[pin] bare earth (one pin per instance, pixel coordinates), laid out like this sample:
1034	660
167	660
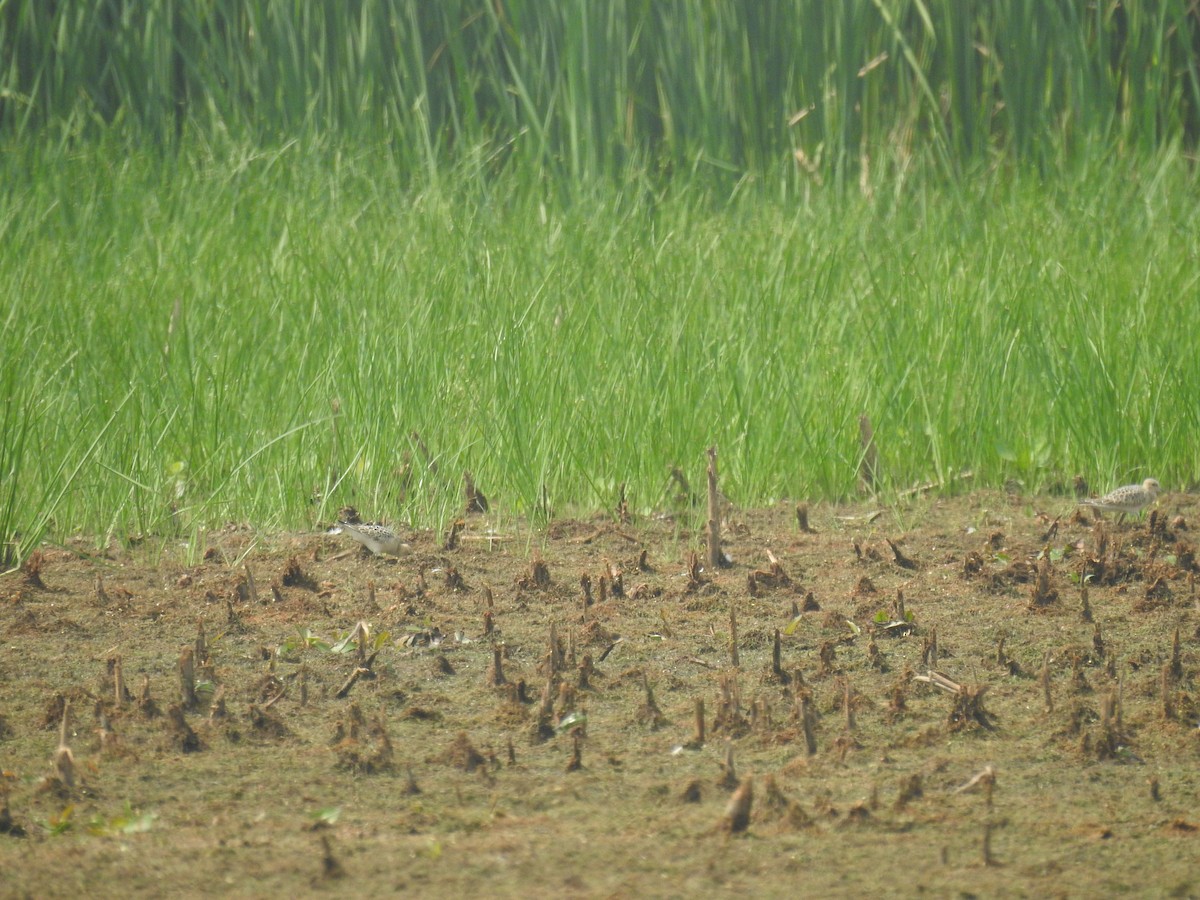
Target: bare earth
1058	756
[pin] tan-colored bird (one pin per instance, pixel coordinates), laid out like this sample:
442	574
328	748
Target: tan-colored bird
1127	499
376	538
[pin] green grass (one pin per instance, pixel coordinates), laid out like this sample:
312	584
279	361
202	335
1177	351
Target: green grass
255	336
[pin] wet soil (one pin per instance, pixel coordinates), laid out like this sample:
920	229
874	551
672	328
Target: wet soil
921	701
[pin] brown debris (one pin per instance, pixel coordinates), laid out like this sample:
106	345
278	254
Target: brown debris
898	698
1098	646
553	661
453	534
264	723
910	789
968	710
728	718
538	577
462	754
8	825
294	576
146	705
827	656
1108	742
1003	660
476	501
116	672
772	577
737	811
363	748
31	570
649	713
251	588
1042	593
575	763
586	670
622	509
331	869
874	657
496	672
454	581
216	710
777	670
728	779
182	735
361	670
1166	683
901	560
616	578
695	577
65	773
1158	594
972	565
802	519
187	678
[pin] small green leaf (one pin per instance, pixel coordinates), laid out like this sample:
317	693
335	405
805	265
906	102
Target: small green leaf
327	815
345	645
571	720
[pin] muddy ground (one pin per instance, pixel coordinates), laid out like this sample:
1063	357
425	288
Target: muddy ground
1054	754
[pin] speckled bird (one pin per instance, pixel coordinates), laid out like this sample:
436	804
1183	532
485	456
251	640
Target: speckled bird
1129	498
376	538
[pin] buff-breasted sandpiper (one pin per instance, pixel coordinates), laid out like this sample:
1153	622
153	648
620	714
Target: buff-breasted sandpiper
1127	499
376	538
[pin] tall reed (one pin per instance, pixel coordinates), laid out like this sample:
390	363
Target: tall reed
861	89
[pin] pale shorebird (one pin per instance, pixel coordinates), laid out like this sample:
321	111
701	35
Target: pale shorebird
1129	498
376	538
